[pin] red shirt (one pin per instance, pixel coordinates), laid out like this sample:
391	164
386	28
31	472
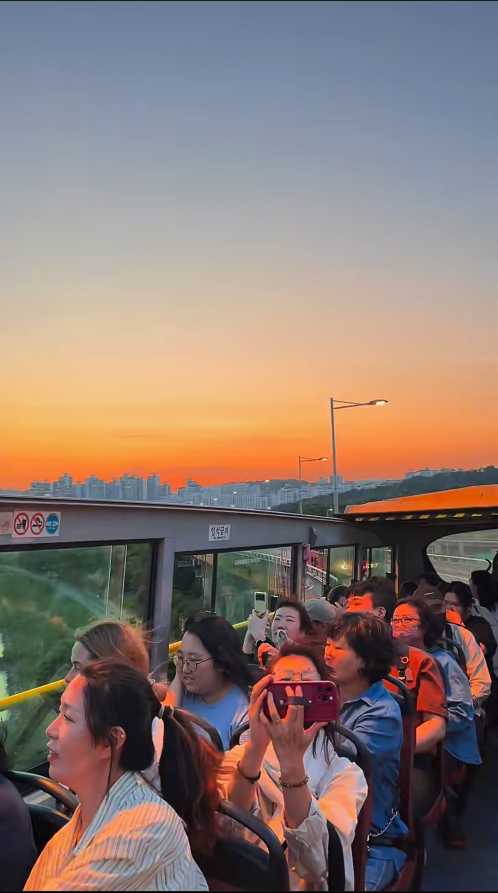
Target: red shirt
422	677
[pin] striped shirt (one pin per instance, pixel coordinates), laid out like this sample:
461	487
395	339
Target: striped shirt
135	841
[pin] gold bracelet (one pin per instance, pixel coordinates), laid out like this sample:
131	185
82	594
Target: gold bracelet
250	778
289	785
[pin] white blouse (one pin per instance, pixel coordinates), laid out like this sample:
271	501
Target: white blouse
135	841
338	791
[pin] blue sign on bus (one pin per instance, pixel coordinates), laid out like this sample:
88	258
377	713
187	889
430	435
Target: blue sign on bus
52	524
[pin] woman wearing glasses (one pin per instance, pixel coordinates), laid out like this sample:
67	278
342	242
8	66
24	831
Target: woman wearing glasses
417	626
212	677
292	778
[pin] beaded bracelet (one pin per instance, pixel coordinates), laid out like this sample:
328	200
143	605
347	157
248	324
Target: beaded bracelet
289	785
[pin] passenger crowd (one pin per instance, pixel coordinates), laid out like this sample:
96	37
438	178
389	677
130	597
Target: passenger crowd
151	764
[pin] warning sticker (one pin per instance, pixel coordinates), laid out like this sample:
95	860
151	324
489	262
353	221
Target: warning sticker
37	524
33	525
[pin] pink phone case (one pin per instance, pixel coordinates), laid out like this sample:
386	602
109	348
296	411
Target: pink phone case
321	700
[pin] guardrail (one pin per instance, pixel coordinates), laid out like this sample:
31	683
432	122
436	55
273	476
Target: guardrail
29	694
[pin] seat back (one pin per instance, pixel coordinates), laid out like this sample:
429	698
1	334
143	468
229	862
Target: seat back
237	865
199	723
438	807
237	734
406	701
362	758
30	781
46	822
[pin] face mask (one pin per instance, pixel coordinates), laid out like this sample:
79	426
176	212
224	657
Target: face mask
281	636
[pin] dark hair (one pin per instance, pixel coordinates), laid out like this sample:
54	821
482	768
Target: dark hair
305	623
337	592
312	649
370	638
223	644
381	591
432	624
116	694
487	589
430	577
463	592
407	588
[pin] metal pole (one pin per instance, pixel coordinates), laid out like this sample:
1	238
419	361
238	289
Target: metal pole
300	498
334	458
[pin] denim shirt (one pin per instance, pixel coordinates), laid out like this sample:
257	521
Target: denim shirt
461	735
375	717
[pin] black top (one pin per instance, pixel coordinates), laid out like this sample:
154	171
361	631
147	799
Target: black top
17	850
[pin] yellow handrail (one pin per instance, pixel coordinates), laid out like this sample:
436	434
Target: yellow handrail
31	693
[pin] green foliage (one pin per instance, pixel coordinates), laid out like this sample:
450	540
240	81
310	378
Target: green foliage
411	487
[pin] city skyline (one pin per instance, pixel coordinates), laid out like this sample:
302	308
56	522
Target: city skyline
66	479
217	215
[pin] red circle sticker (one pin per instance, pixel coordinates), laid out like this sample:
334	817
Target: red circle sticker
21	523
37	524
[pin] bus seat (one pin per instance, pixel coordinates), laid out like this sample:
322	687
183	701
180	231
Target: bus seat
46	822
360	755
29	781
206	727
410	876
237	865
406	702
237	734
438	808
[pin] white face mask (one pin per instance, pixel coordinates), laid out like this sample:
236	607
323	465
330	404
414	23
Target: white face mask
281	636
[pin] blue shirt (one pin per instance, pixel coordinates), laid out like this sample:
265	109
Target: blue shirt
461	735
225	715
375	718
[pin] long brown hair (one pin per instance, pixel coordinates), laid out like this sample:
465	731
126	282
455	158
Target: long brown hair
113	638
116	694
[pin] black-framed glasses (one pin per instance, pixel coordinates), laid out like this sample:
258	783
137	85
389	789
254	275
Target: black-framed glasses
189	662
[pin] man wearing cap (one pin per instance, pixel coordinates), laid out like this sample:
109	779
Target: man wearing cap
322	614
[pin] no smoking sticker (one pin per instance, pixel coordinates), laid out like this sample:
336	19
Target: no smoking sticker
34	525
37	524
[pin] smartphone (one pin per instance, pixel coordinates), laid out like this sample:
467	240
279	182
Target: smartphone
321	700
261	602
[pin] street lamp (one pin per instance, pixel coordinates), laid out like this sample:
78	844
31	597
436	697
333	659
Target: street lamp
305	459
344	404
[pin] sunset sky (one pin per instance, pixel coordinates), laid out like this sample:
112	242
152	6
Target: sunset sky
215	216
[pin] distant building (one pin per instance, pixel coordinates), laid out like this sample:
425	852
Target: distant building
40	488
63	487
153	488
95	488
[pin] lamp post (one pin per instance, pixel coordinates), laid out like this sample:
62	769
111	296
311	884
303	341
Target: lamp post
301	460
334	406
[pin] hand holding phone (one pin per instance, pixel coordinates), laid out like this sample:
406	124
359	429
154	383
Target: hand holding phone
319	699
260	603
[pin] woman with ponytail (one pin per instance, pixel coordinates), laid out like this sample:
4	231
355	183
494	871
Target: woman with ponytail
124	835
